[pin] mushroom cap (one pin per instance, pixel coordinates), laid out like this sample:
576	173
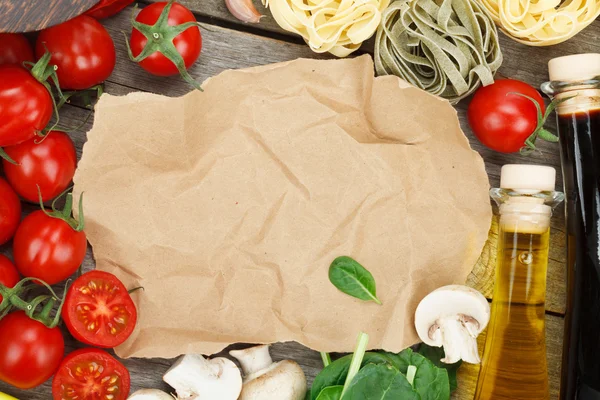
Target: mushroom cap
447	302
194	377
150	394
284	380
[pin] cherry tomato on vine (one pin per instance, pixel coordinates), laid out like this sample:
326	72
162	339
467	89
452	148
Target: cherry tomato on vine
98	310
91	374
49	247
173	45
48	163
25	105
82	50
9	276
30	352
14	49
503	120
106	8
10	211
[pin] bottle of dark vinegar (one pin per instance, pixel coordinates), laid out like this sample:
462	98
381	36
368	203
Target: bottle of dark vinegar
576	81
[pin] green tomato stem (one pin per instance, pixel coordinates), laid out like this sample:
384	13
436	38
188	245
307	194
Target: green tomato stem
160	38
7	157
357	359
65	213
11	299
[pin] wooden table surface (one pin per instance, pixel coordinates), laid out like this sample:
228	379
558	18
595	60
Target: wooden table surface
231	44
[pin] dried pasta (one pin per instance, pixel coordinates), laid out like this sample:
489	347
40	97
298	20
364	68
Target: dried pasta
446	47
335	26
542	22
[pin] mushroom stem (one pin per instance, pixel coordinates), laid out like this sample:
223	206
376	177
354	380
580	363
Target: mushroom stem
254	359
456	335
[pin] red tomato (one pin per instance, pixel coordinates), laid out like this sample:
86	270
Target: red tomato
30	352
9	276
188	43
82	49
98	310
49	163
106	8
14	49
10	212
25	105
48	248
88	374
502	120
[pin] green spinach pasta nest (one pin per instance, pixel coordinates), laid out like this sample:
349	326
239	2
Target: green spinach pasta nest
446	47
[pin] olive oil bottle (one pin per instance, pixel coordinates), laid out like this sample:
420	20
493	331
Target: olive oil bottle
514	356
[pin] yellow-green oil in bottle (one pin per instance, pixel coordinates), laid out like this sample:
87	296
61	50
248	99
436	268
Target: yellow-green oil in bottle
514	358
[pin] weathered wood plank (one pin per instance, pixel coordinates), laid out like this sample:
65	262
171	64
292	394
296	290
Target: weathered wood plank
30	15
226	48
147	373
216	11
240	50
520	61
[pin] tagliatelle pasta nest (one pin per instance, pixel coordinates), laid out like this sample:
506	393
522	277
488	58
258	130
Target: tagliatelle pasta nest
542	22
335	26
446	47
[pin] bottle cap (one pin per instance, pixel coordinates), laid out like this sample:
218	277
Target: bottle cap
527	179
577	67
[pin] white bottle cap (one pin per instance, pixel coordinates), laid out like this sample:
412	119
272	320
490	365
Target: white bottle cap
578	67
527	179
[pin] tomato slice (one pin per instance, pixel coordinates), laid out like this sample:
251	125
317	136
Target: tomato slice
91	374
98	310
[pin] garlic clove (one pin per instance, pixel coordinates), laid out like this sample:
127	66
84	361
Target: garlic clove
243	10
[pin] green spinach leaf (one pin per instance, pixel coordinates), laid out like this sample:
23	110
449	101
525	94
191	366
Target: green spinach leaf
335	373
353	279
380	382
430	382
435	355
331	393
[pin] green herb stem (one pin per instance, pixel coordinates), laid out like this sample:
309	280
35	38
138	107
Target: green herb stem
410	374
326	359
357	359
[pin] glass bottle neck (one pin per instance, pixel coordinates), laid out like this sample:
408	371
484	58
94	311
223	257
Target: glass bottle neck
575	96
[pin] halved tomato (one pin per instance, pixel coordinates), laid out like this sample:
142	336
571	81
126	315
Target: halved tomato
98	310
91	374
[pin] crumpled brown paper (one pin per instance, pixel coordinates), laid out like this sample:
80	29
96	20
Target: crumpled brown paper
228	206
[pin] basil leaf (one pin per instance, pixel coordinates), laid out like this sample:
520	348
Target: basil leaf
380	382
435	355
431	382
331	393
335	373
353	279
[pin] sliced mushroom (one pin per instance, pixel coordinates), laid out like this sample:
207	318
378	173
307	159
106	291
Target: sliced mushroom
453	316
194	377
150	394
266	380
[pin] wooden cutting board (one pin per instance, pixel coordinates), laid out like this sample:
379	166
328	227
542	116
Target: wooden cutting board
33	15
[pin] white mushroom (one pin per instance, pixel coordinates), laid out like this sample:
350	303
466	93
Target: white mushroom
266	380
453	316
150	394
194	377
